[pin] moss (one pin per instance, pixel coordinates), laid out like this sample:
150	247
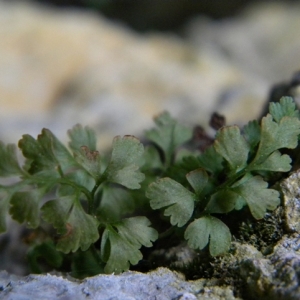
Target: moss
263	234
252	237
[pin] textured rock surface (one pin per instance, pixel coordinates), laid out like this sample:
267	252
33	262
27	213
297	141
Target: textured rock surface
276	276
160	284
291	201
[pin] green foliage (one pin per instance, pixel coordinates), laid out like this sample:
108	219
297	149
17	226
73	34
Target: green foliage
46	251
76	227
206	228
124	164
231	177
9	163
168	135
286	108
166	192
78	181
121	243
100	206
234	152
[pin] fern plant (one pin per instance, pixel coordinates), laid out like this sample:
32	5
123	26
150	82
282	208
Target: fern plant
228	176
100	206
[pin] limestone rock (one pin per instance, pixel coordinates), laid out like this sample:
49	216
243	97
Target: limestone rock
291	201
159	284
276	276
262	277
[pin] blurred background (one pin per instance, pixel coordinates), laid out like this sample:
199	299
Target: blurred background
114	64
145	15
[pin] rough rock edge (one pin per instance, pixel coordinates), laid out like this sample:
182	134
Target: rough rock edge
275	276
159	284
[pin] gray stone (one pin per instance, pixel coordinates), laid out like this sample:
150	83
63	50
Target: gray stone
291	201
276	276
161	284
